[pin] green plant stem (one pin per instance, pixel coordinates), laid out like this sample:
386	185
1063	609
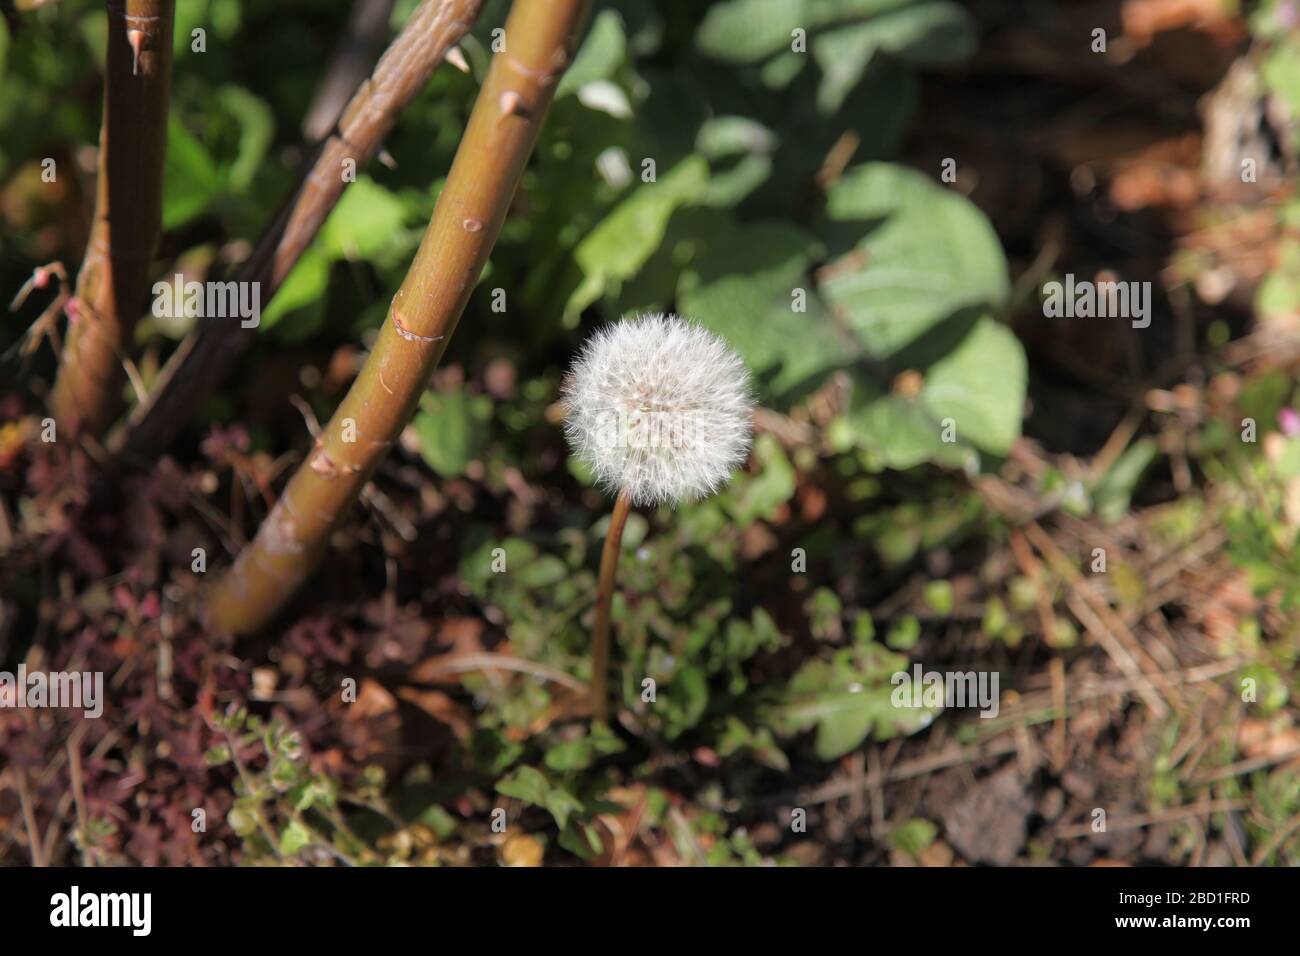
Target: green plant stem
604	602
540	40
208	354
113	284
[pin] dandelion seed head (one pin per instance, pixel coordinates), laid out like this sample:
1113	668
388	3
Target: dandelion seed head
659	408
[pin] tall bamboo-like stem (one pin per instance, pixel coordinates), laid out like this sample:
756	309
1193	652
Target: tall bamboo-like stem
604	602
113	284
210	353
540	39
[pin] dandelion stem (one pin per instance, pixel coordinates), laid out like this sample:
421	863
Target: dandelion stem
604	599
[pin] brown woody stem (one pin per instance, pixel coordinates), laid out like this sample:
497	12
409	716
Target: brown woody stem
210	353
113	284
604	602
540	39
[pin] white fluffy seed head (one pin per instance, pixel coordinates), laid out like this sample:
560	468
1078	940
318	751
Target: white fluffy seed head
660	408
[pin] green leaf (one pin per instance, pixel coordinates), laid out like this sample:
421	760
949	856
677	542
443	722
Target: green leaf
545	572
745	284
625	239
845	699
974	377
527	784
939	596
531	786
687	699
452	428
602	53
368	220
924	253
759	496
740	151
581	839
256	130
922	33
913	836
293	838
582	752
242	821
191	180
217	755
188	16
745	31
1115	490
980	385
303	289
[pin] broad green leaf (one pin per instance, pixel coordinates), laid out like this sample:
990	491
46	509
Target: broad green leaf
303	288
981	386
746	31
452	428
527	784
758	496
621	243
581	752
925	253
531	786
846	699
922	33
747	283
971	397
367	220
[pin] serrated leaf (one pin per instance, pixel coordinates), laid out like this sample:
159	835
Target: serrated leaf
846	699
